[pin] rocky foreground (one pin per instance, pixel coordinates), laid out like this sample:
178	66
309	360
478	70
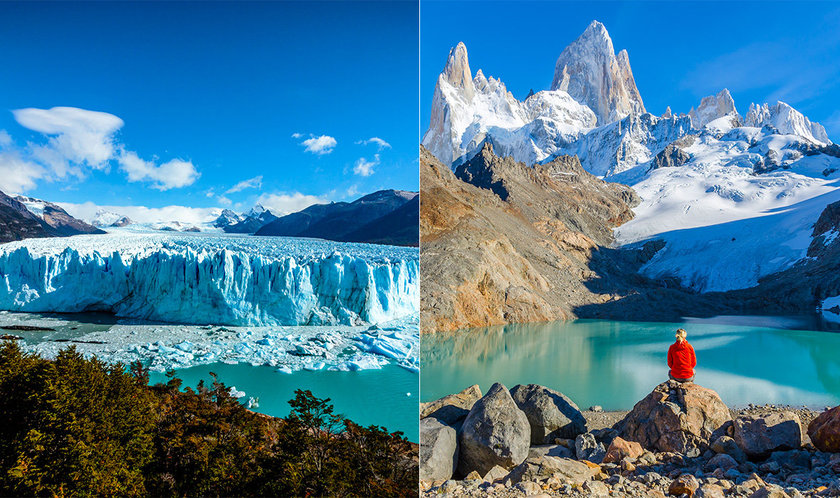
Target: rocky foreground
680	440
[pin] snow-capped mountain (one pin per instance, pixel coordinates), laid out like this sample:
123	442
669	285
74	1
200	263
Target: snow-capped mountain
710	178
226	219
590	71
56	217
104	219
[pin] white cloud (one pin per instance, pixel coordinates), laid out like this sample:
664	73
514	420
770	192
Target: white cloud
255	182
5	138
281	204
296	135
77	137
171	174
351	191
143	214
380	144
17	175
322	144
364	167
76	142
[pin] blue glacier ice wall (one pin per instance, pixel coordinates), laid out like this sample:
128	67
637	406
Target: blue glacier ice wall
177	283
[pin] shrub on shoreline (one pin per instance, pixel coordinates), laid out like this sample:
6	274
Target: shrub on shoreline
76	426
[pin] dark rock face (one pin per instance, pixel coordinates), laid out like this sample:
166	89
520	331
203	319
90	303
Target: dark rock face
56	217
675	417
824	430
550	413
251	224
374	218
495	432
452	408
760	435
438	450
673	155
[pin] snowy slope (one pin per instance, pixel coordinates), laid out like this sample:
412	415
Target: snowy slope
210	279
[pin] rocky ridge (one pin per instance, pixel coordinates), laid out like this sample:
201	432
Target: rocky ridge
504	242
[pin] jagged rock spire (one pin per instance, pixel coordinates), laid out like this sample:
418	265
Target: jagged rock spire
590	71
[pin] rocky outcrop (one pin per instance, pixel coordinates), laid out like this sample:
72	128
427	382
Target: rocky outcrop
591	72
760	435
673	155
551	414
452	408
635	470
495	432
57	218
824	430
438	450
712	108
786	120
515	246
676	417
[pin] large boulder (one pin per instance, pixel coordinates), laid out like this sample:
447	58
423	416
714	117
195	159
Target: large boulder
675	417
824	430
620	449
550	413
760	435
588	448
450	409
438	450
495	432
542	467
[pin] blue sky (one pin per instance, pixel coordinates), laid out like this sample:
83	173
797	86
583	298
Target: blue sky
207	104
679	51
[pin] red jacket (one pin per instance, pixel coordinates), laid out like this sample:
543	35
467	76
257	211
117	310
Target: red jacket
681	360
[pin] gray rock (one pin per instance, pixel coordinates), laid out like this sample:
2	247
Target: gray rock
596	489
570	471
550	413
588	448
495	474
760	435
709	491
495	432
555	450
438	450
727	445
452	408
721	461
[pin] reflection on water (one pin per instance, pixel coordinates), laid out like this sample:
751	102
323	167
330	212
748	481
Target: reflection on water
615	364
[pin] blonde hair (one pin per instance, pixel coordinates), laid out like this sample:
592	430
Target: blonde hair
681	333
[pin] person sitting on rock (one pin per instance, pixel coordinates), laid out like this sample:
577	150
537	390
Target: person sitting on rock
681	359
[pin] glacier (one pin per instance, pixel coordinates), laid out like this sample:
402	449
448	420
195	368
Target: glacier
211	279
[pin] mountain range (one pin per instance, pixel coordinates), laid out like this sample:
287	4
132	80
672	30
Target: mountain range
383	217
25	217
727	200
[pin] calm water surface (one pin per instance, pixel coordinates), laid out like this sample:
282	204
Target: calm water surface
615	364
367	397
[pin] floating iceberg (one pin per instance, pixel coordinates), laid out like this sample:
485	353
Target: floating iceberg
198	279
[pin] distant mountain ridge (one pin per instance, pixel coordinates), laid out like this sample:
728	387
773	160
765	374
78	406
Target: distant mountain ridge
26	217
374	218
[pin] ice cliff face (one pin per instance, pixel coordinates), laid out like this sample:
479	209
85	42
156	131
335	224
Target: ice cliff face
219	280
590	71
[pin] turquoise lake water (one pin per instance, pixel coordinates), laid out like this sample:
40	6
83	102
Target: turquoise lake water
367	397
616	364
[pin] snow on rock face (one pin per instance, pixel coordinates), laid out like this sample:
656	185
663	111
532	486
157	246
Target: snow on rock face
589	70
466	112
712	108
220	280
787	120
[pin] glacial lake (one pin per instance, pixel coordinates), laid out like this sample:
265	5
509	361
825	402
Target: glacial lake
367	397
615	364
